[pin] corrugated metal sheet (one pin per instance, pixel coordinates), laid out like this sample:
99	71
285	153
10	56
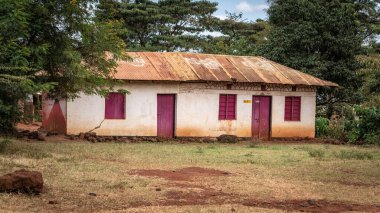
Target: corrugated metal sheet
159	66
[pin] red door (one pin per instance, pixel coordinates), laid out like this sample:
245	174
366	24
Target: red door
261	117
165	115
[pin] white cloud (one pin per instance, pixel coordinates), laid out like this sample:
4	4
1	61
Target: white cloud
246	7
260	7
213	34
221	17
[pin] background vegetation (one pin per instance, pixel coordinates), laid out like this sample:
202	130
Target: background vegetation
59	46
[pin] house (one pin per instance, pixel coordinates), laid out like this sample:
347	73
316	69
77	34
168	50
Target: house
196	95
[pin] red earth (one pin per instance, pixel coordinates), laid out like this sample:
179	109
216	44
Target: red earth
191	193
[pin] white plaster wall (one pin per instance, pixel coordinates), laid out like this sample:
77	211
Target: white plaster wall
87	112
305	127
196	112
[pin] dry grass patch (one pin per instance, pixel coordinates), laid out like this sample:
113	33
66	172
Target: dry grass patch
259	172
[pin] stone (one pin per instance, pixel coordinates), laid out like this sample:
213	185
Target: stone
92	139
33	135
227	139
71	137
92	194
52	133
41	136
23	181
311	202
81	135
209	140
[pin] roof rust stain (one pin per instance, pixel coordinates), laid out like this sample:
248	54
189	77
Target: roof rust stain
160	66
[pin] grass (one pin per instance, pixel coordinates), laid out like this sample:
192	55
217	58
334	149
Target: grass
316	153
71	170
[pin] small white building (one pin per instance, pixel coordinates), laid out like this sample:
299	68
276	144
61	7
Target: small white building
196	95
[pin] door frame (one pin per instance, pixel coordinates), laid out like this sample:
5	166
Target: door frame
270	115
174	111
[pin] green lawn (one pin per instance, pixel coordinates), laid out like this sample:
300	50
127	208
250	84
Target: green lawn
265	173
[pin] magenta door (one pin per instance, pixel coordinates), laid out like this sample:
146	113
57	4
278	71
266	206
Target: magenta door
165	115
261	117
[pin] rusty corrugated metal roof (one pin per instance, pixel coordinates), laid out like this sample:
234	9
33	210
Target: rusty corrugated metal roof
177	66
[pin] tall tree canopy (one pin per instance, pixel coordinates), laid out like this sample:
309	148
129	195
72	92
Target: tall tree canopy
237	36
55	46
164	25
322	37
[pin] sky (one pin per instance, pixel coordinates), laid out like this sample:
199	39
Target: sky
251	9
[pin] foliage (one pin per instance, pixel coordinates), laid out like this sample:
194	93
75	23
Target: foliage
359	129
371	74
322	38
165	25
238	37
54	46
321	126
366	127
182	25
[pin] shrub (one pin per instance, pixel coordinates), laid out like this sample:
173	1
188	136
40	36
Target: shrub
363	128
337	130
321	126
366	127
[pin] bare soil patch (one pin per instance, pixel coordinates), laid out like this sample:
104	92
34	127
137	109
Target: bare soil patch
209	196
185	174
312	206
187	194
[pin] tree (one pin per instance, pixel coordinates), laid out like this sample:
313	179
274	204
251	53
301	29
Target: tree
166	25
371	75
321	37
238	37
55	46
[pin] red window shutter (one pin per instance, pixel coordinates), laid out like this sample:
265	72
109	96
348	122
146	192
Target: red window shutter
288	108
296	108
227	107
231	110
115	106
292	108
222	106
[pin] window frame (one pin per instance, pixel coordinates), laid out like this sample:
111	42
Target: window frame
124	107
292	113
225	117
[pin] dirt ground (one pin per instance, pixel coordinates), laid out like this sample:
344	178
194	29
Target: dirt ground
171	177
193	194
